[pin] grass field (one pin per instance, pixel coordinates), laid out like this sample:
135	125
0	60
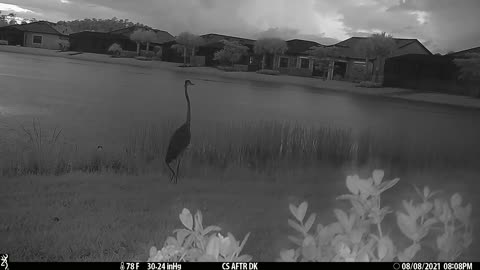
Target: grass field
103	217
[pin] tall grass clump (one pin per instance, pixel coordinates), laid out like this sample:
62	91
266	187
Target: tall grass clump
261	146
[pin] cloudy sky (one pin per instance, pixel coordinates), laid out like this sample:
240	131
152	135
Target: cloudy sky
442	25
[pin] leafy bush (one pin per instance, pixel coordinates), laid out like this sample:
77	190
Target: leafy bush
64	45
194	243
358	235
268	72
115	49
149	54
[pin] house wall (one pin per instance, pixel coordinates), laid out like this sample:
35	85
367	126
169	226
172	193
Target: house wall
49	41
358	71
294	64
412	48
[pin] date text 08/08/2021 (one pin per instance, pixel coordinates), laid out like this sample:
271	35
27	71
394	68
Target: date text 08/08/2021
433	266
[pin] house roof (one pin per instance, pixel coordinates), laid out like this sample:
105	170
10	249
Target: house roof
43	27
463	52
300	46
350	48
161	36
215	38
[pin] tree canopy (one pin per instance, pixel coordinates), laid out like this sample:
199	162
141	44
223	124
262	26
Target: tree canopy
270	45
323	52
99	25
469	66
232	52
378	44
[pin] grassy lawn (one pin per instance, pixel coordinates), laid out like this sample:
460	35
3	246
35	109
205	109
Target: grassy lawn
82	217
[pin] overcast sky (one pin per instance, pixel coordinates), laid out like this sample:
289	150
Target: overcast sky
442	25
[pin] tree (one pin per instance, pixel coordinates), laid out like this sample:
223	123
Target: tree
232	52
188	42
115	49
3	20
323	55
470	70
469	66
142	36
378	46
266	46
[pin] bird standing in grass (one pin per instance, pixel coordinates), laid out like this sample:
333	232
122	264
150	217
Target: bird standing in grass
179	140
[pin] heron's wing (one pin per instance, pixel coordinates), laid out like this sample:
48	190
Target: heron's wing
178	142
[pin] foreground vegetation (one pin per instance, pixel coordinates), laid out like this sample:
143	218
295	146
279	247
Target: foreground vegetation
357	235
105	217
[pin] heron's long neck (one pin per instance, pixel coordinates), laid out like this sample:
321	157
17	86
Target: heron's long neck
188	106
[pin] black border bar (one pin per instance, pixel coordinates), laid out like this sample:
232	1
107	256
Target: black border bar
240	266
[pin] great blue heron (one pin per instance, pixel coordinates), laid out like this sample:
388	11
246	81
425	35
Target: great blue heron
179	140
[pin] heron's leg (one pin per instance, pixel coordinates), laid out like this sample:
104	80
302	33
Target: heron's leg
178	167
173	172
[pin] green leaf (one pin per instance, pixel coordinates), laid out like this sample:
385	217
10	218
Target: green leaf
213	247
309	222
243	258
309	252
181	235
243	243
352	184
426	207
378	176
301	211
293	210
407	226
426	192
171	241
456	200
211	228
186	218
295	240
366	188
383	247
343	219
387	185
287	255
296	226
153	251
198	221
408	254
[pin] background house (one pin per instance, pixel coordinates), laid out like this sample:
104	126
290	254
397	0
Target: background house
296	60
99	42
41	34
160	35
350	62
435	73
213	43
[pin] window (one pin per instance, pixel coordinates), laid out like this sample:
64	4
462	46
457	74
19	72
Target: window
37	39
283	62
304	62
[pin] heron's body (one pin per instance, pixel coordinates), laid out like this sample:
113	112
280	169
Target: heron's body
179	140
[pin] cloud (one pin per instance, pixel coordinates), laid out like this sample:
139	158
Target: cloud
14	8
444	24
291	33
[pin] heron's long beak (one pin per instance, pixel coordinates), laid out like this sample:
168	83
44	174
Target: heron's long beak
192	83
